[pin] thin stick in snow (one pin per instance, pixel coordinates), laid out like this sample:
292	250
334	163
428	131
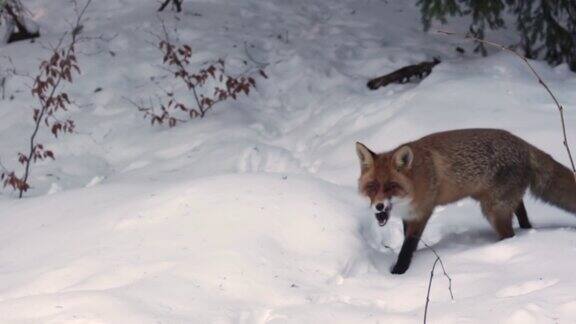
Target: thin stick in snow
438	259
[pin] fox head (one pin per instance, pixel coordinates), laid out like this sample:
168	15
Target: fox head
384	178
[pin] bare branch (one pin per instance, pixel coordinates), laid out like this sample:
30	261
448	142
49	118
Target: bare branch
438	260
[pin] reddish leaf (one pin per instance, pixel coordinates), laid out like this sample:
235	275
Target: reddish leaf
56	128
23	159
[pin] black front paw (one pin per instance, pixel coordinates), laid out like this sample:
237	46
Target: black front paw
399	268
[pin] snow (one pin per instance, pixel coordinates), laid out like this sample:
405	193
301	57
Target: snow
251	215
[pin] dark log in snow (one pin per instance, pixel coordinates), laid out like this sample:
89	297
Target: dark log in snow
403	75
23	32
177	4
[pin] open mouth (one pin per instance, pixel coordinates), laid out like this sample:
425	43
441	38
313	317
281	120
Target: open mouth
383	216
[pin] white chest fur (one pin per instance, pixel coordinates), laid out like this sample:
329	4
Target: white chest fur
402	208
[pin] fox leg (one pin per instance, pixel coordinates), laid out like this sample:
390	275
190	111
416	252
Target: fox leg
522	216
412	231
404	227
502	224
500	217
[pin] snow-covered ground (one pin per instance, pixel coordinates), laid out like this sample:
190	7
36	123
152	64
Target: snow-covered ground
251	214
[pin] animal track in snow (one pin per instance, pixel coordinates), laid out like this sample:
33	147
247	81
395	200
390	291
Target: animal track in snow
264	158
525	288
495	253
529	314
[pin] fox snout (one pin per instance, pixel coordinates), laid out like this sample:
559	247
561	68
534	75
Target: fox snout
382	212
382	205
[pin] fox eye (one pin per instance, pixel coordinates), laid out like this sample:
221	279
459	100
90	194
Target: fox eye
391	186
372	187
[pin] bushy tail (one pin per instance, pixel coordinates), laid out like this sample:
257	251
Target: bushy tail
551	181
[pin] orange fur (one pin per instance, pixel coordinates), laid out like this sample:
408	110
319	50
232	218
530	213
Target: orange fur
491	166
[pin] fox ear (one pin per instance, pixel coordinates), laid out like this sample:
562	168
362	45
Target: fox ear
403	158
365	155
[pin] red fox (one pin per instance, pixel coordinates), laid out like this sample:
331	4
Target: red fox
491	166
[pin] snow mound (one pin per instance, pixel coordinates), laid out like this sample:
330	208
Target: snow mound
251	215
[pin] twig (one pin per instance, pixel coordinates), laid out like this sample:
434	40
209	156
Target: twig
429	287
3	87
438	259
540	80
149	112
443	268
46	102
180	66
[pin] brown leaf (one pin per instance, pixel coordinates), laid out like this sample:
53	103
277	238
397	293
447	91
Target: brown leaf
56	128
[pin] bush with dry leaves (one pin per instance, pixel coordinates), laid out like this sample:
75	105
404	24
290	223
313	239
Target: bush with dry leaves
207	86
